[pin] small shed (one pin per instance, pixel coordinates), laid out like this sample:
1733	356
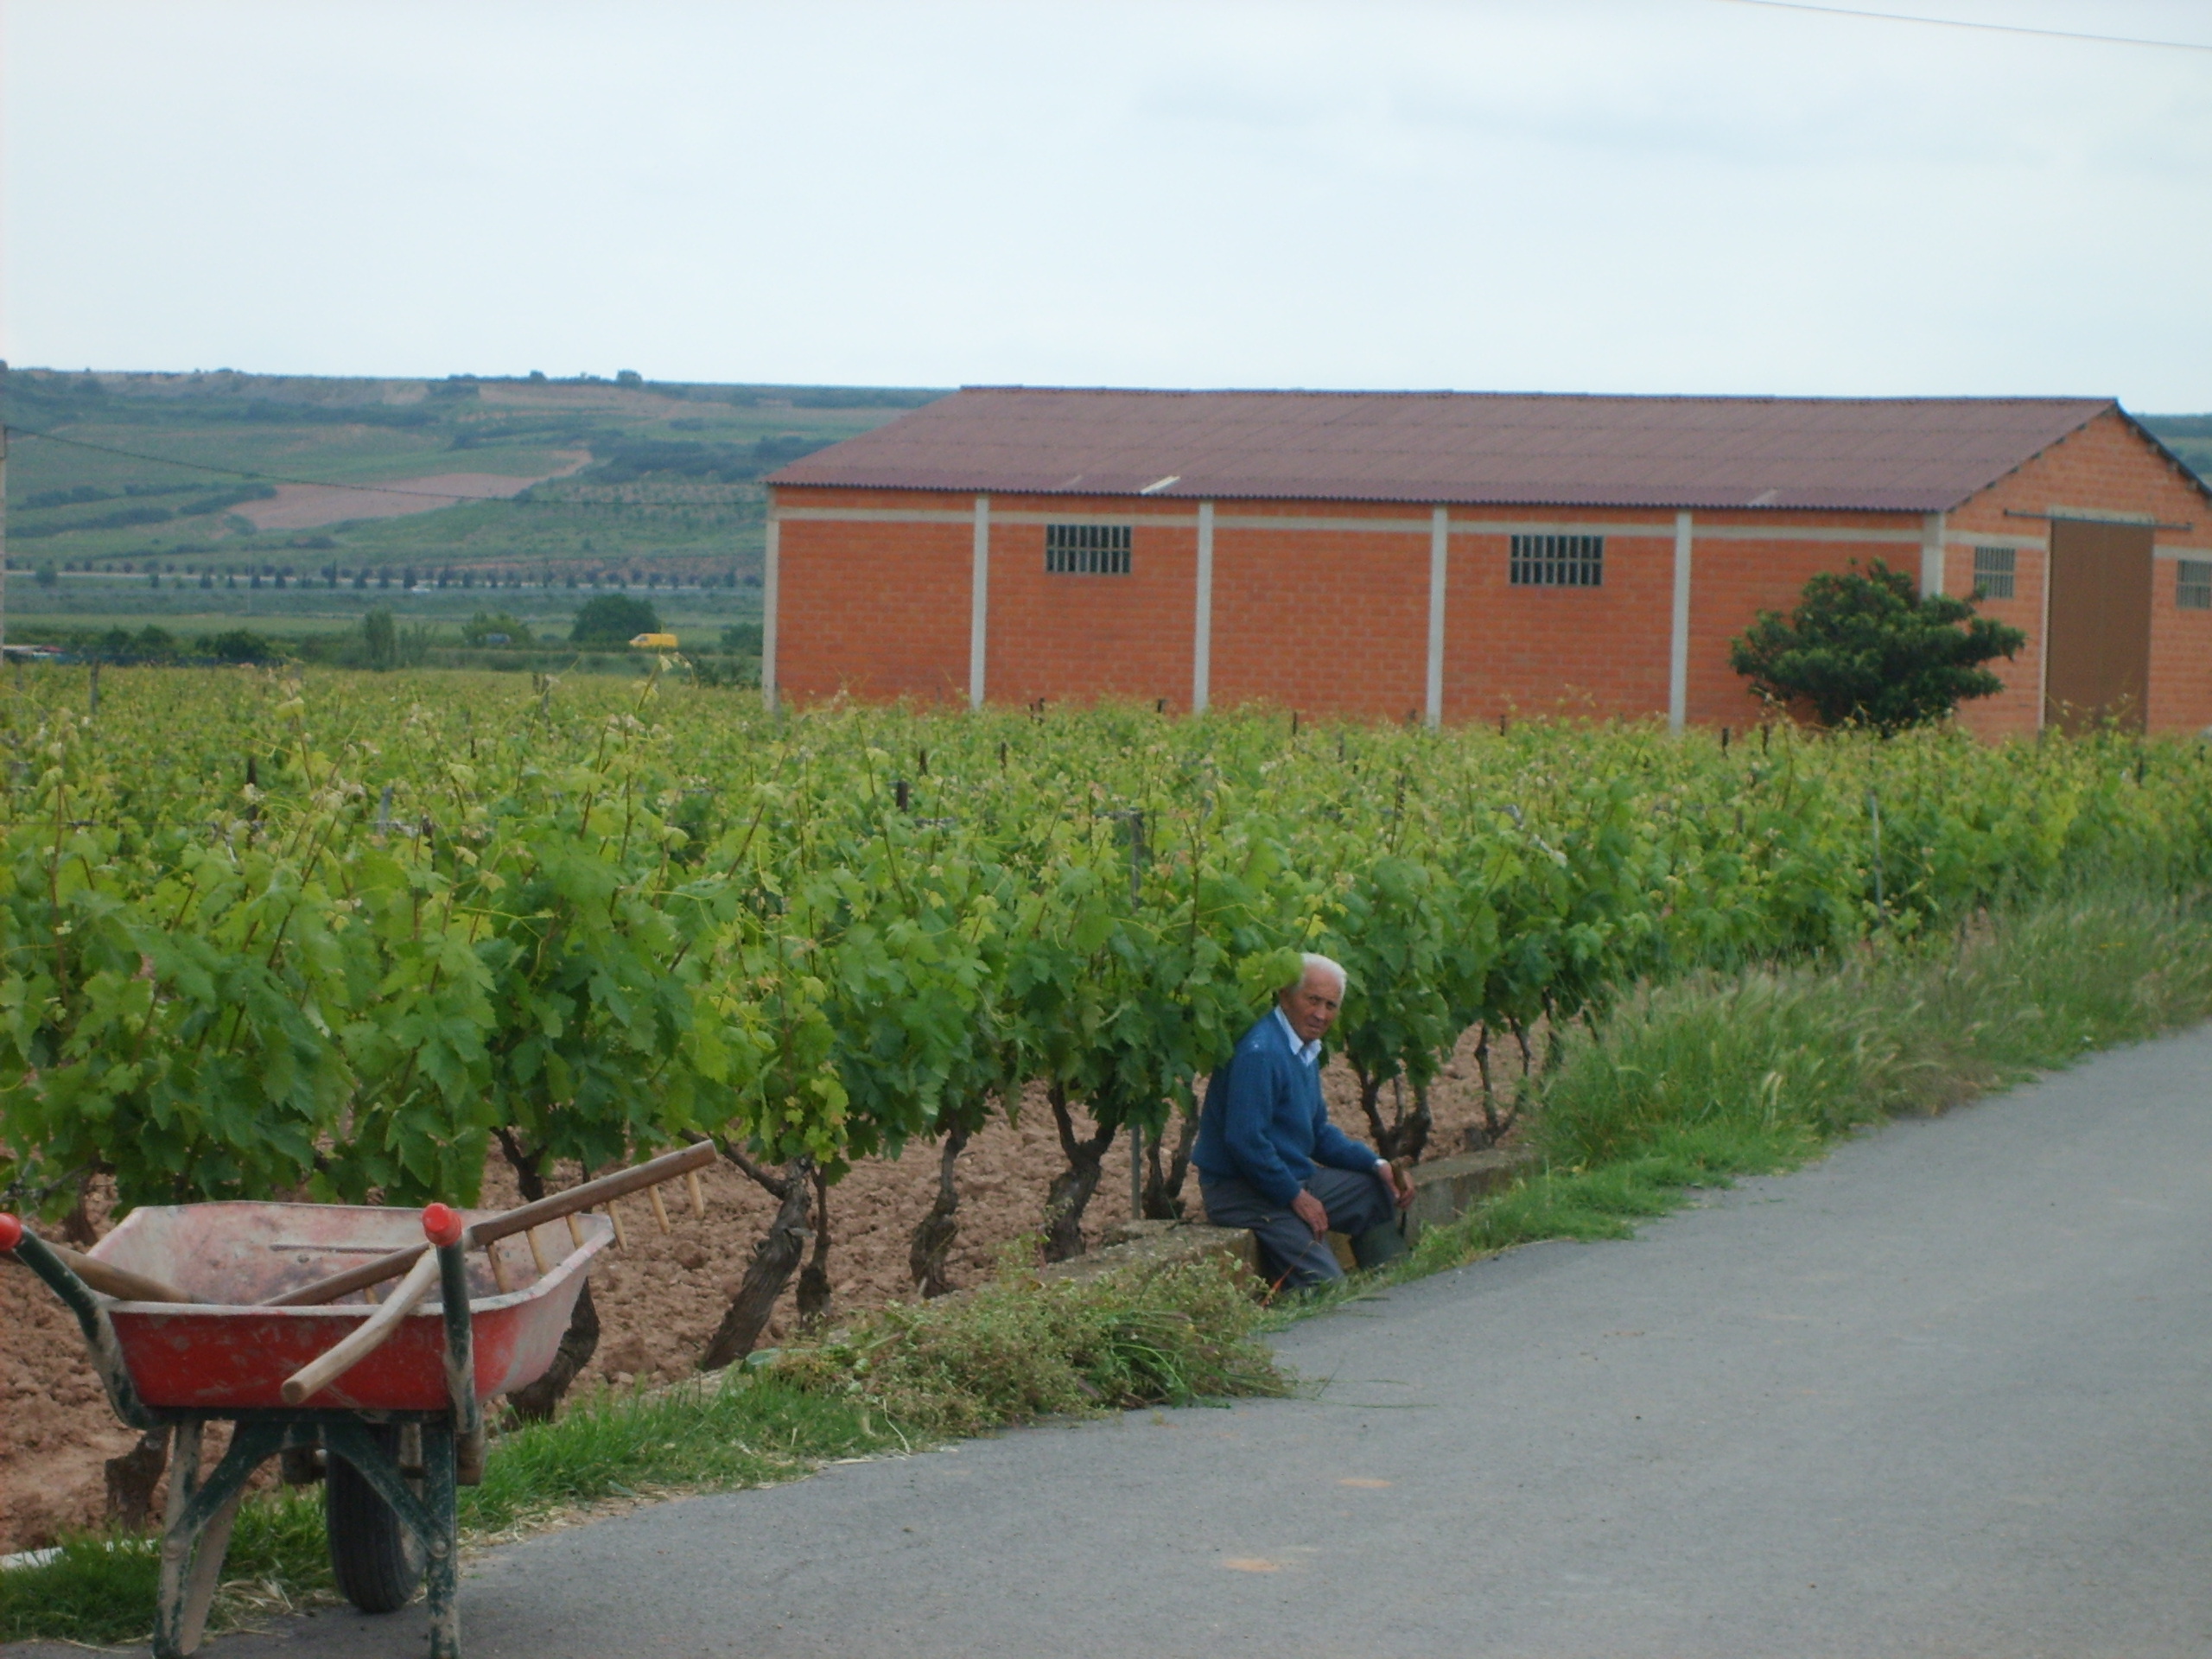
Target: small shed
1453	557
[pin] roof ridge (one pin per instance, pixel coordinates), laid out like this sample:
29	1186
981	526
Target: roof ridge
1577	397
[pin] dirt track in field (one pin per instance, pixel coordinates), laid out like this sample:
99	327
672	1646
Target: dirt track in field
304	506
658	1300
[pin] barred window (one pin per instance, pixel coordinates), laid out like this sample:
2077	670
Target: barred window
1558	561
2193	586
1087	550
1993	570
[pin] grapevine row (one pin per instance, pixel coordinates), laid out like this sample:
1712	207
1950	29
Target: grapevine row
344	937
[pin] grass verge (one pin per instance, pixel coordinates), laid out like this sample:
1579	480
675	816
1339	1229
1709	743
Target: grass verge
99	1589
1012	1351
1714	1077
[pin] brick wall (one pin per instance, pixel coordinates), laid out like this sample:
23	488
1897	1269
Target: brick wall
1332	617
1079	638
1530	651
2017	711
1327	621
2181	651
878	610
2106	467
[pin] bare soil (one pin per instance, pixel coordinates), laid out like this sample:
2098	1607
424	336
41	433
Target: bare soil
660	1298
303	506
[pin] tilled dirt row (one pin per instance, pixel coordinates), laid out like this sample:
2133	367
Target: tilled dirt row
658	1300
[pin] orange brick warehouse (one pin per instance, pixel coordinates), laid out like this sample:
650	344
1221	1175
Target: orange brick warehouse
1463	556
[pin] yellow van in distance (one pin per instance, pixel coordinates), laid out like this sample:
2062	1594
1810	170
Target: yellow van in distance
654	641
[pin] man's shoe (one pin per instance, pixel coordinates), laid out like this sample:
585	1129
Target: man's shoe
1379	1246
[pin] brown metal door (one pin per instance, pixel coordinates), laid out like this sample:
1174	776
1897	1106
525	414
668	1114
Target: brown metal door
2100	644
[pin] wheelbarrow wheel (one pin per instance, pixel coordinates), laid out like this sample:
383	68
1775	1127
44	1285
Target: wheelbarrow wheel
375	1559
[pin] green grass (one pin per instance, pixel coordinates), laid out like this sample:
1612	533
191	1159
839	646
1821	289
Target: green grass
1716	1076
101	1588
1015	1350
80	603
712	1434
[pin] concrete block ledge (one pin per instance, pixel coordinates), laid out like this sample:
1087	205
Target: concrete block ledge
1447	1188
1148	1246
1444	1190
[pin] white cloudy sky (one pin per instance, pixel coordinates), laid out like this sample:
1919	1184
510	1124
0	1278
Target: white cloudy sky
1626	195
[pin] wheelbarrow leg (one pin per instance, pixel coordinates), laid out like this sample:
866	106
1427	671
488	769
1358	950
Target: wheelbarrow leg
197	1529
453	1451
441	1568
430	1515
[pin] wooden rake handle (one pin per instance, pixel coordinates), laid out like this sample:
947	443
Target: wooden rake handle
119	1283
666	1167
374	1331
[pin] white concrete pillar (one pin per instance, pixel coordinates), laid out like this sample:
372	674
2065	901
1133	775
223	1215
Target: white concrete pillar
2043	636
1202	615
1678	646
1440	557
771	571
979	602
1931	554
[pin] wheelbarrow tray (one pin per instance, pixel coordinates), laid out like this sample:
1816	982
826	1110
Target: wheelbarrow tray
228	1355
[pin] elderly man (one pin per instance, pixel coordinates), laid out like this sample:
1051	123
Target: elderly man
1268	1158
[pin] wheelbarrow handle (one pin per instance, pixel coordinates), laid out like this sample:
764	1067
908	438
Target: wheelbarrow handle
49	1264
453	1243
109	1280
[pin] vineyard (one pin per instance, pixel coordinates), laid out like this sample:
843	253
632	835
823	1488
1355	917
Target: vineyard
352	938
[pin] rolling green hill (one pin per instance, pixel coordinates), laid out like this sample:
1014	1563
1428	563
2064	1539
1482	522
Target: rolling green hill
2189	436
216	471
195	499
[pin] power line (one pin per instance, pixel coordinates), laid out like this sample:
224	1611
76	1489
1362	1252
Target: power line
1963	22
240	471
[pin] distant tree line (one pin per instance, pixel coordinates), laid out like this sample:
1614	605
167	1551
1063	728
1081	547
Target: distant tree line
624	460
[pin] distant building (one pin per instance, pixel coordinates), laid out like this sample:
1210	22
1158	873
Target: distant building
1456	556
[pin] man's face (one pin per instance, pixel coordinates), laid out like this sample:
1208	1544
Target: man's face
1311	1005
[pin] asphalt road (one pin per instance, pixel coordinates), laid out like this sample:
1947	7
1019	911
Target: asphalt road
1943	1394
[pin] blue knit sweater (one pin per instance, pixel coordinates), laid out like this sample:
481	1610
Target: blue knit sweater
1264	1121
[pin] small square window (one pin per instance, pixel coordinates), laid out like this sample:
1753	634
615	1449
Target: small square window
1557	562
2193	585
1087	550
1993	569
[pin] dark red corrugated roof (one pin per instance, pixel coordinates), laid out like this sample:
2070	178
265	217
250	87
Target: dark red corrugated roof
1896	454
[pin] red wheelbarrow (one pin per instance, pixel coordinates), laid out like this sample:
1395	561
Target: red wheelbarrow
268	1316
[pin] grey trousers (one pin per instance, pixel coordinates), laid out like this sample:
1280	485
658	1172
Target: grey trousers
1356	1201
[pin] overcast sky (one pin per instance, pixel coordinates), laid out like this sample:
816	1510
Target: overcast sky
1602	195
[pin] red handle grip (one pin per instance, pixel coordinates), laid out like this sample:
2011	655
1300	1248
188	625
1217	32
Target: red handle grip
442	1224
11	1231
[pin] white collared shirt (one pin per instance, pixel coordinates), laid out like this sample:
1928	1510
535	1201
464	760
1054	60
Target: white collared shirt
1307	1053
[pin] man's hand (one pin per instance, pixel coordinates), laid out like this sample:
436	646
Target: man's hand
1401	1184
1307	1209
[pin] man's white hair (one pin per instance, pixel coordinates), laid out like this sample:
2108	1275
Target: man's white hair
1313	960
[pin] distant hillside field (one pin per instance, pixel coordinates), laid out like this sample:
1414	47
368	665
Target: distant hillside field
532	481
2189	436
